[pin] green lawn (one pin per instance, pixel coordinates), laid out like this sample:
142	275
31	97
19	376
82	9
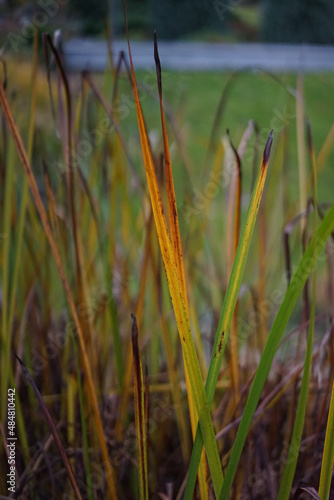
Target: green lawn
268	100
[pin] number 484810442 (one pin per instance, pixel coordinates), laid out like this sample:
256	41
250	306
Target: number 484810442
11	412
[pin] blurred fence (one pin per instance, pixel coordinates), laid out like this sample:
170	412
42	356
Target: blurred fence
83	54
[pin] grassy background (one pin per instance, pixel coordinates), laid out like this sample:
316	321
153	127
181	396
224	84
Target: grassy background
191	100
123	213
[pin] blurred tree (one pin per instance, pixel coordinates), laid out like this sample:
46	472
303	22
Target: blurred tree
175	18
93	14
298	21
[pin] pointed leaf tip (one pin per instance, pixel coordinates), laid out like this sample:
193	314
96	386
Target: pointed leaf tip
134	327
157	61
267	149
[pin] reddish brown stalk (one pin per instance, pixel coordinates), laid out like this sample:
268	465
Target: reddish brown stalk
147	406
237	197
172	208
141	423
69	145
121	58
53	429
123	406
44	219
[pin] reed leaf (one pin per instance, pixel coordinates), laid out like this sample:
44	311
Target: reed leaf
229	306
328	454
177	247
291	296
178	300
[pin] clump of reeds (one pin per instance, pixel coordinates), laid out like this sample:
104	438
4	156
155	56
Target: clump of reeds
87	242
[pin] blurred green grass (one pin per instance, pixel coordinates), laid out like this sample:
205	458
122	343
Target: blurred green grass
194	97
253	95
192	100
